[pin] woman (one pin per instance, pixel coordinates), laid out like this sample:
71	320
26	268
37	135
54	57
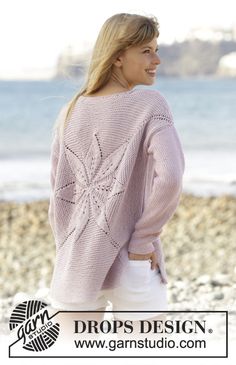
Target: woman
116	177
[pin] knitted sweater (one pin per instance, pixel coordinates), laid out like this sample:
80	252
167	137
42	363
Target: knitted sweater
116	179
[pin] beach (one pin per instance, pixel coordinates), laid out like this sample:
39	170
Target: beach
198	242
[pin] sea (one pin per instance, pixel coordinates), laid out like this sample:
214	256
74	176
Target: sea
204	111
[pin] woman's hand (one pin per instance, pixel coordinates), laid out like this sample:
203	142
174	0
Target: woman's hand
147	256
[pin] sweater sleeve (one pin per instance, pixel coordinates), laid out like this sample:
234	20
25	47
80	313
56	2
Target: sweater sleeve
55	149
54	157
164	144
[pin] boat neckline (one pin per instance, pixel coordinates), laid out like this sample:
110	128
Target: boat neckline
108	95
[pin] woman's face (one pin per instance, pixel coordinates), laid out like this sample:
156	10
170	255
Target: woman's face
135	62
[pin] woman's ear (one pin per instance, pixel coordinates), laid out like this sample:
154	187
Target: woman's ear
118	62
119	59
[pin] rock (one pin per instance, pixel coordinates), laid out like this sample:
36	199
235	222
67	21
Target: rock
220	280
21	297
218	296
203	279
179	284
42	293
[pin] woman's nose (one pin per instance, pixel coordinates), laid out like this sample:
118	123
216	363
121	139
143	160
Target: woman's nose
158	60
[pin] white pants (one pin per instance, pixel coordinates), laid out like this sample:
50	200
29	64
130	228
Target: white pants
141	289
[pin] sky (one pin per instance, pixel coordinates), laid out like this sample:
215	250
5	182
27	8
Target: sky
34	33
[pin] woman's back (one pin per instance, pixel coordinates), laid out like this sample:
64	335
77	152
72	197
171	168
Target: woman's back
117	180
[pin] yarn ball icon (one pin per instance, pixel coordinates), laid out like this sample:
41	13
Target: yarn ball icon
40	338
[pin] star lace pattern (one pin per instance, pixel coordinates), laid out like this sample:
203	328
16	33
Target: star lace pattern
94	183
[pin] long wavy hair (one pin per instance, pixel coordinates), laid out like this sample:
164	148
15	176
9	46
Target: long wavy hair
119	32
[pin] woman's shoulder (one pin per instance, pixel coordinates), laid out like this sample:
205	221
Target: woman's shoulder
154	101
153	95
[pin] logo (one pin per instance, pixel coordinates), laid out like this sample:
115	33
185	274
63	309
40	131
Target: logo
34	326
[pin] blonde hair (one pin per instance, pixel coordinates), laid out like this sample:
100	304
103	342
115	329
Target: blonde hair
119	32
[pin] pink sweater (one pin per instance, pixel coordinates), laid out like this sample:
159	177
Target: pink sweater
116	179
